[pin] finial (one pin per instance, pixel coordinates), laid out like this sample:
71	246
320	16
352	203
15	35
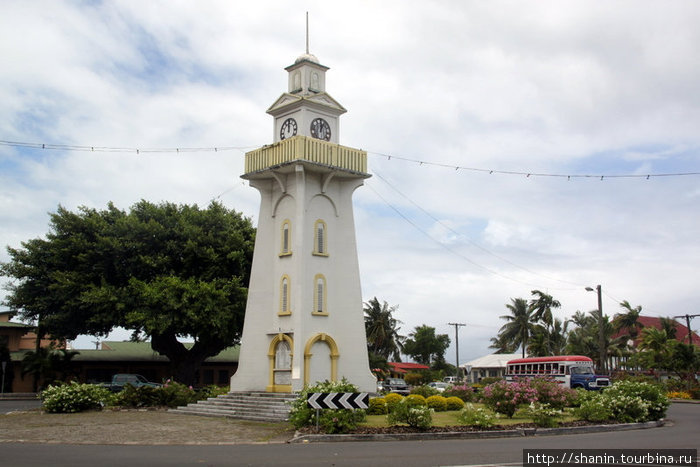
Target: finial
307	32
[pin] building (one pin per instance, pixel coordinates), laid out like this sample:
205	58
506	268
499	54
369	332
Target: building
655	322
18	339
99	365
399	369
489	366
304	316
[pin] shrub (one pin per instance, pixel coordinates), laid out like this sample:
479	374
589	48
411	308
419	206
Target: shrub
174	394
454	403
171	394
416	379
75	397
552	393
337	421
341	420
594	410
391	400
628	409
142	396
626	401
503	397
678	395
212	391
650	395
425	391
416	416
543	415
582	395
464	392
377	406
472	416
489	380
437	403
415	400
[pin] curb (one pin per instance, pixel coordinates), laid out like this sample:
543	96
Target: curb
300	438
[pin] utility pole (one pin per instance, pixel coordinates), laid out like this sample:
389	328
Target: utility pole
687	320
601	330
457	326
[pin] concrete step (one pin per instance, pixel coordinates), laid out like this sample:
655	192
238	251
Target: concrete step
259	406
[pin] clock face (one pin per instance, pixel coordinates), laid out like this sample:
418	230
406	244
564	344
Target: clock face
288	129
320	129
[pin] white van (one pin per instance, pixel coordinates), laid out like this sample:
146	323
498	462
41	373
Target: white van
450	379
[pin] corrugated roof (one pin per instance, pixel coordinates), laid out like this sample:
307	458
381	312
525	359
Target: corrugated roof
113	351
496	360
9	324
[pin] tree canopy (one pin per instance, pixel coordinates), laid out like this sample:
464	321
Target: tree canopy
425	346
168	271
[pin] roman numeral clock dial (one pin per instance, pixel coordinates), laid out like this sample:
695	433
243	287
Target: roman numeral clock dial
320	129
288	129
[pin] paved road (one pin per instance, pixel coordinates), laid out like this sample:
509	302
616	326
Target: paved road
683	432
7	406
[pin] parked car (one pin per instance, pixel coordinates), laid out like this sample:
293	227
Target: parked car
119	381
396	385
438	385
450	379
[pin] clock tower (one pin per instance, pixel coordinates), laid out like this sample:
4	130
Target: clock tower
306	109
304	318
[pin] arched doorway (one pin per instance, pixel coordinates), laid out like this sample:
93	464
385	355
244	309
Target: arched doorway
325	355
280	357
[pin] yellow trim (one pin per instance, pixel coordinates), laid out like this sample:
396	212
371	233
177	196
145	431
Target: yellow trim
335	355
324	305
272	387
285	310
286	223
316	251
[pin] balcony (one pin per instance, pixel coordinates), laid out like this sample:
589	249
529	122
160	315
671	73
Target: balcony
303	148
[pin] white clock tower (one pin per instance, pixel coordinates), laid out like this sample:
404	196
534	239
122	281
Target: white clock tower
304	317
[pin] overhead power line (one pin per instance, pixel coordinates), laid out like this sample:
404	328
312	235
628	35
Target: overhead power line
532	173
74	147
216	149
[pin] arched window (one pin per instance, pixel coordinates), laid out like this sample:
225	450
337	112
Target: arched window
285	300
286	238
320	238
320	293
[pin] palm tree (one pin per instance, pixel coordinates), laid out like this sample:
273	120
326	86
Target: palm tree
502	346
383	338
656	343
45	364
670	326
584	338
629	320
520	326
655	340
542	306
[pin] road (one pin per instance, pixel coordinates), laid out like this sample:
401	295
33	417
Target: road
682	432
10	405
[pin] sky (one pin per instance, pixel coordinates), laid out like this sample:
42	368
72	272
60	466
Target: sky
513	146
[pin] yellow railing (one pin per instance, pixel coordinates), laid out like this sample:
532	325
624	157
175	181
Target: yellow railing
307	149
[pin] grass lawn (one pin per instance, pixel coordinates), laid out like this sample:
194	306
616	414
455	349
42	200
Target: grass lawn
451	418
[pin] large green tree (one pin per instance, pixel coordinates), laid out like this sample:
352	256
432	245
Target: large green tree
425	346
171	272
